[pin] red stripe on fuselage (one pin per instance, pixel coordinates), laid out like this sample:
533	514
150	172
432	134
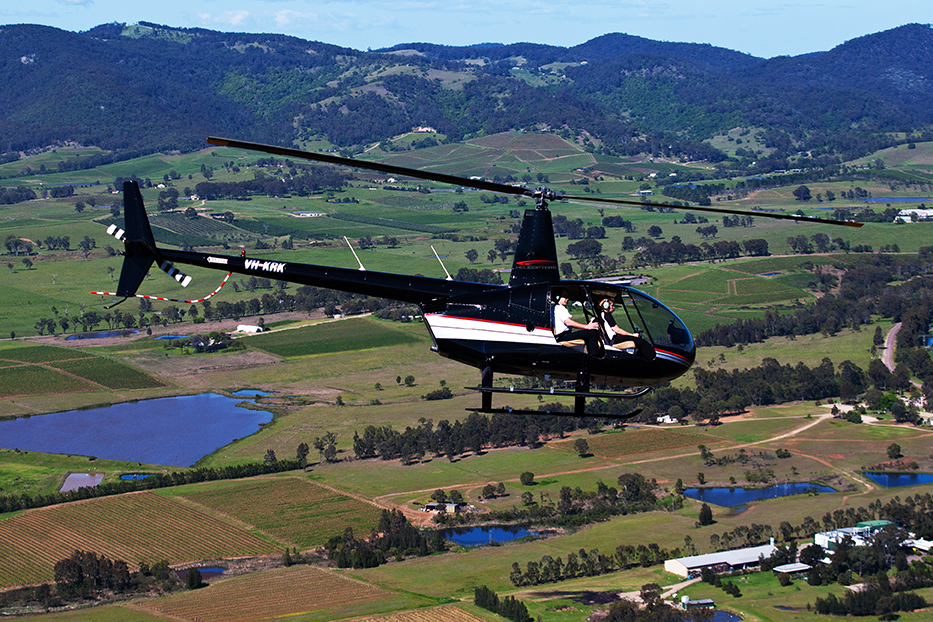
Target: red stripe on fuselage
474	319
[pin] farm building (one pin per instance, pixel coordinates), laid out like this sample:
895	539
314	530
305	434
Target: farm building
859	534
444	507
726	561
703	603
248	328
795	568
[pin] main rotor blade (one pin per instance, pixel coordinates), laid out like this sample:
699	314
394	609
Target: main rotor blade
479	184
719	210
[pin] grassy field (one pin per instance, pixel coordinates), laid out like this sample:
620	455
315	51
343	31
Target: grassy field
308	365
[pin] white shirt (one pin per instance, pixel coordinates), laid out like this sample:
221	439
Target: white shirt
561	314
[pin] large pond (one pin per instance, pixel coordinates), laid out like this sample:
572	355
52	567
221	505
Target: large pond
731	497
895	480
174	431
478	536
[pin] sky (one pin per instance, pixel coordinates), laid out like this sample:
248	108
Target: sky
761	28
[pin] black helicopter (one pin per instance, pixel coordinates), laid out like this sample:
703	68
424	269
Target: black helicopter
504	329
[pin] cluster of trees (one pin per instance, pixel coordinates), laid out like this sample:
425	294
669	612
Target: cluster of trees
8	196
87	575
509	607
302	183
14	502
708	576
454	439
576	507
394	537
588	564
676	251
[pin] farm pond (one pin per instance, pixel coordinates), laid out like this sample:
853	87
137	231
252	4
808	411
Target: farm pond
731	497
895	480
172	431
478	536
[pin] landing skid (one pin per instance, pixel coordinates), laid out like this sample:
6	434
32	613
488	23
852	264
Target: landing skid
580	394
548	413
556	392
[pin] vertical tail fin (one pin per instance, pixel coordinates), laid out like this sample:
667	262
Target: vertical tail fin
140	245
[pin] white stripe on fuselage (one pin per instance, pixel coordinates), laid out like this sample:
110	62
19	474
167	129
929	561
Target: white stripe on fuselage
447	327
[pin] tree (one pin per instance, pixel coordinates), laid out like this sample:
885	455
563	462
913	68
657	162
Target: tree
472	255
802	193
527	478
706	515
655	231
651	595
193	579
409	381
302	453
582	447
270	456
894	451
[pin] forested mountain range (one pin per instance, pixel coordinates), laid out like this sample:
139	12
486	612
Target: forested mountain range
145	88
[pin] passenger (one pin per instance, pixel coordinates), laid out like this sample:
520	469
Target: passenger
617	335
563	323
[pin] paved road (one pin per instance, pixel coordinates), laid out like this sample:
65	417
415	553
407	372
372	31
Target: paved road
888	357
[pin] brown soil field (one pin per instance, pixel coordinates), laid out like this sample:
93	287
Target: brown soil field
283	592
614	446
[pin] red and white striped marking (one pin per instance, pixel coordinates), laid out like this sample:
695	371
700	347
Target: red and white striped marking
224	282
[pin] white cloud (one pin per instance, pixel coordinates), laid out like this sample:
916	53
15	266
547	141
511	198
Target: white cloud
289	17
77	2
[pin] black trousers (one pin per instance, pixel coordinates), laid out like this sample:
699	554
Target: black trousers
591	337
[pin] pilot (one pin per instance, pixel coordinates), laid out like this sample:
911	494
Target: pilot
563	323
617	335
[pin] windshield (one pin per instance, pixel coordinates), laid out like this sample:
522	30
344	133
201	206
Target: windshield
634	312
659	322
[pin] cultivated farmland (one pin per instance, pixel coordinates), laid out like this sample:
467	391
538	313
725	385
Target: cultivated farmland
614	446
438	614
132	527
35	376
331	337
287	591
295	510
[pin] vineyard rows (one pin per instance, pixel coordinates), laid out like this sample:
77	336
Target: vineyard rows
132	527
296	510
614	446
111	374
275	593
447	613
36	380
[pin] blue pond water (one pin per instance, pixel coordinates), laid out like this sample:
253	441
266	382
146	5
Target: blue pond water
172	337
252	393
100	334
895	480
130	476
478	536
898	200
731	497
174	431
